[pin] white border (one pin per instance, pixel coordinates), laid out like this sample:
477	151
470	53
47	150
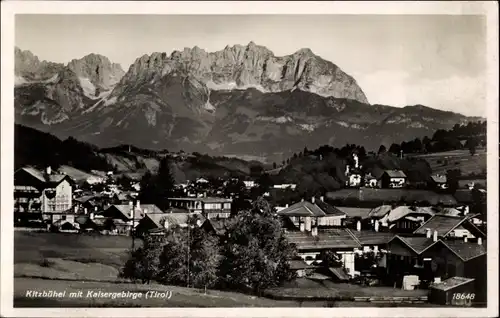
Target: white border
10	8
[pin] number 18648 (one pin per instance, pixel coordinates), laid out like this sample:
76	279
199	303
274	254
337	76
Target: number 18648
464	296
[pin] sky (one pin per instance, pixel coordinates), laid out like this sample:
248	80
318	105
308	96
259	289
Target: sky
398	60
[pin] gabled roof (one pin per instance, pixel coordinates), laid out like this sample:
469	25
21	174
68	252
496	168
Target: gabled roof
465	250
416	243
139	212
325	239
42	177
380	211
219	226
353	212
402	211
329	209
395	173
303	208
372	237
306	208
442	223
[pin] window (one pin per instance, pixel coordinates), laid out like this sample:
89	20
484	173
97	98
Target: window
63	217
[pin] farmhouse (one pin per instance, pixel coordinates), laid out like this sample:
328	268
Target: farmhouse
209	207
305	215
161	221
393	179
45	192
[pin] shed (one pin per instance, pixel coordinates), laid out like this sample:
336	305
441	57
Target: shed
455	291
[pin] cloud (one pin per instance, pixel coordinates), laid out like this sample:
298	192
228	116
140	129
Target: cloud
462	94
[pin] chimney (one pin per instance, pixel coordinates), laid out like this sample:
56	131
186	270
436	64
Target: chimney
138	204
465	239
358	226
302	227
428	233
92	215
302	200
48	170
85	210
145	211
314	231
130	204
322	198
435	236
286	205
466	210
165	225
75	209
479	241
376	226
312	200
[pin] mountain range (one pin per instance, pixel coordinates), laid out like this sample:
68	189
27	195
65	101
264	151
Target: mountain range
241	101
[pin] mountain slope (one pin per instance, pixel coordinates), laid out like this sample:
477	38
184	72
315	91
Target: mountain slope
241	100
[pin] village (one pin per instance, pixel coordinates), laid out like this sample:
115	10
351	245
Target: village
379	231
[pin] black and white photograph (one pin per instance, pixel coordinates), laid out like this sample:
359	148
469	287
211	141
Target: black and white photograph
226	160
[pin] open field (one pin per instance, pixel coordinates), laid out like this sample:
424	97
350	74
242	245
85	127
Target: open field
457	159
72	262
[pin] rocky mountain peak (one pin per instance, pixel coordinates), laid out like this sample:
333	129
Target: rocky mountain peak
98	70
244	66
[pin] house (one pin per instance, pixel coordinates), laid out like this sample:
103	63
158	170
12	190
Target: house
438	182
393	179
209	207
216	227
450	226
401	218
127	216
91	203
444	292
461	258
373	241
305	215
158	220
42	191
63	221
404	257
310	243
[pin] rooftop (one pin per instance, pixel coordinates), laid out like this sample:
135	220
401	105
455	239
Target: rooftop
372	237
466	250
54	177
450	283
441	223
395	173
353	212
325	239
416	243
306	208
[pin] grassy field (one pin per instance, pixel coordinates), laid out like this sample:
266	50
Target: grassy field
457	159
72	262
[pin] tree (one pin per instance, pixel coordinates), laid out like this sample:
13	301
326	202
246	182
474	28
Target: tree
330	259
256	252
306	151
452	179
471	145
143	263
395	148
157	188
382	149
274	165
